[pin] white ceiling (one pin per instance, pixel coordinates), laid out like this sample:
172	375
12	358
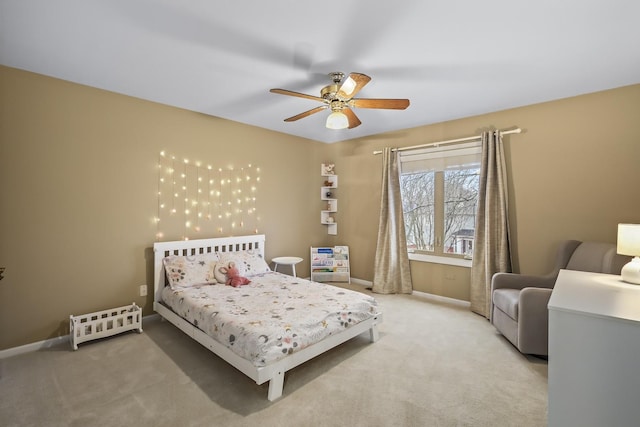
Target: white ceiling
451	58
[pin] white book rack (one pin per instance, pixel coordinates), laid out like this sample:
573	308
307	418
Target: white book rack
330	264
101	324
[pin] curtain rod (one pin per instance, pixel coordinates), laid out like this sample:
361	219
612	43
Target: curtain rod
450	141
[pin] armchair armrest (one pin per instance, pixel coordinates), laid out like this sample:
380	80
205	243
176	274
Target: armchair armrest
521	281
533	320
534	300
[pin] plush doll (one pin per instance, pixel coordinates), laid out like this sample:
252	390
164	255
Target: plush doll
233	276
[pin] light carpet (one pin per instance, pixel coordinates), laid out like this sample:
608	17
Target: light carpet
435	364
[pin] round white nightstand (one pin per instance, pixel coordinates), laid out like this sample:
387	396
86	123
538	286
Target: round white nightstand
287	260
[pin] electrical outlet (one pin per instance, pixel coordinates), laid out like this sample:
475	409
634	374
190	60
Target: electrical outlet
143	290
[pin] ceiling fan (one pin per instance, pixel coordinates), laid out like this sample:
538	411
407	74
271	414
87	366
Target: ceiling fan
339	98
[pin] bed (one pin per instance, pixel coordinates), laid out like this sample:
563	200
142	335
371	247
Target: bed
312	317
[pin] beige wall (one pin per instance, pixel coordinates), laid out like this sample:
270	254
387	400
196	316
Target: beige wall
571	176
78	183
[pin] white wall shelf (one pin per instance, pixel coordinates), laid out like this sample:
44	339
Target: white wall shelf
328	197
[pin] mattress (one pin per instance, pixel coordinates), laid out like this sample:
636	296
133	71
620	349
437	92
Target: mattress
272	317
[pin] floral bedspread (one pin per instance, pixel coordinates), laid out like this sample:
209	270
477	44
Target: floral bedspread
275	315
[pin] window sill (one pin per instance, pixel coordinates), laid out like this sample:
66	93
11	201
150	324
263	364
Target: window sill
459	262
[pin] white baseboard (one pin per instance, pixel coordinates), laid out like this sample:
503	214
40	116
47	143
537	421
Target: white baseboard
365	283
45	344
35	346
442	299
368	284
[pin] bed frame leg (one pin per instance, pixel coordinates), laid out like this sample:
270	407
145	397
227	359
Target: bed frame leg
373	333
275	386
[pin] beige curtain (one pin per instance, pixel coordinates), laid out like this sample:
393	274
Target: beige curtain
491	253
392	274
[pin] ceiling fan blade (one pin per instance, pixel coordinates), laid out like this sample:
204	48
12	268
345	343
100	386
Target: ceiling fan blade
387	104
352	85
306	113
354	121
298	94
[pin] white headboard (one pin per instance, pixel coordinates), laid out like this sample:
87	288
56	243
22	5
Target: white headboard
161	250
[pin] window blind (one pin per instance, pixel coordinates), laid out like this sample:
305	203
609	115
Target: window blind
441	158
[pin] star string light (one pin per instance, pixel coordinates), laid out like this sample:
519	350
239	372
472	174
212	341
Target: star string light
193	202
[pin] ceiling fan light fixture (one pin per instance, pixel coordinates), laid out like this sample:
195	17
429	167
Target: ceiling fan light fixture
337	120
348	86
339	97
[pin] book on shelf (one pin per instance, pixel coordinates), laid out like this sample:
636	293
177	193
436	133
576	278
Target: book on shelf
322	262
324	250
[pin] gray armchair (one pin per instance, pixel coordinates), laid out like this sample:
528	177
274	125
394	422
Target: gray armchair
519	302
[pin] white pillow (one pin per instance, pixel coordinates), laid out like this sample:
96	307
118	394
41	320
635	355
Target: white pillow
188	271
249	262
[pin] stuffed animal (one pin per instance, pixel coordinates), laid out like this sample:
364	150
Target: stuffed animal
233	275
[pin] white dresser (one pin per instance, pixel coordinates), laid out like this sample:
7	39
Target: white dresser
594	351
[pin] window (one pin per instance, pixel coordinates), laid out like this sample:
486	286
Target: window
439	188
